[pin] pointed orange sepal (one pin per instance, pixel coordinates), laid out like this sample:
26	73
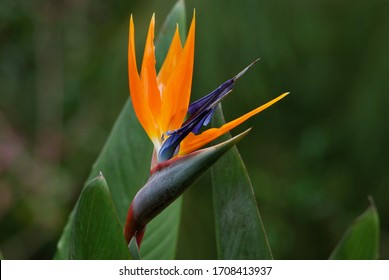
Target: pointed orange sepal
149	75
164	76
193	142
137	89
176	94
170	62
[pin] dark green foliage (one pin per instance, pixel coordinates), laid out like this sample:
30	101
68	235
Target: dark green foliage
125	162
96	231
361	240
240	233
312	159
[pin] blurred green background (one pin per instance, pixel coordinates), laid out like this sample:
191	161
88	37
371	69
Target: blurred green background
313	158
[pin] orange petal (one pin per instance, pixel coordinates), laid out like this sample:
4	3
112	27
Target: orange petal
176	95
193	142
164	76
149	75
137	89
170	62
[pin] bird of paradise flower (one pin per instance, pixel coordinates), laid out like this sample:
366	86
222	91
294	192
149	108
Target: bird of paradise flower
161	104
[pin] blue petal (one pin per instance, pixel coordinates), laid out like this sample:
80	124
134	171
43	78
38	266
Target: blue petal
170	146
203	122
213	98
209	117
201	112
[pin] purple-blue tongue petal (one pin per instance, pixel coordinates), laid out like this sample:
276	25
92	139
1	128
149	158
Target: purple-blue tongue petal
169	146
201	112
212	99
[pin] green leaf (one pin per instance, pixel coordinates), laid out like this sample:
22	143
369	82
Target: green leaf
96	232
240	233
62	252
125	162
361	240
124	167
1	256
